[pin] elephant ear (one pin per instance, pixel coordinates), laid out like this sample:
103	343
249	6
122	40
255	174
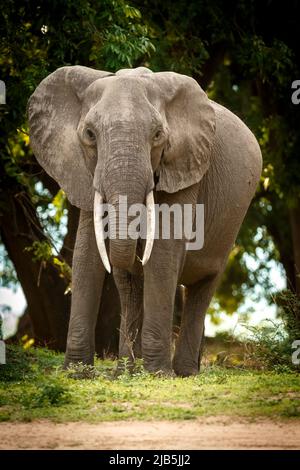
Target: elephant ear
54	111
191	125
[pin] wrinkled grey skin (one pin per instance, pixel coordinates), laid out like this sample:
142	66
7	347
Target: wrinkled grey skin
142	124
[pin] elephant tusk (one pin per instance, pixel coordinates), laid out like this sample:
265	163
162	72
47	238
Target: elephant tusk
150	227
99	232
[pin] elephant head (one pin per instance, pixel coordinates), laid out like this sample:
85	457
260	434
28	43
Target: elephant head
101	135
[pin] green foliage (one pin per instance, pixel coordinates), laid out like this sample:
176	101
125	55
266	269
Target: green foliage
50	393
59	205
107	34
272	341
37	388
17	366
289	310
272	63
42	251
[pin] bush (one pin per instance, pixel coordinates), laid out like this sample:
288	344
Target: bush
52	394
271	346
18	366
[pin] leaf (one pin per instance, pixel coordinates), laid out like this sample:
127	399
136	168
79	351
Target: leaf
266	183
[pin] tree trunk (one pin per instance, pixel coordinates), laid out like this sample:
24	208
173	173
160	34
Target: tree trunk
283	241
295	229
43	287
69	240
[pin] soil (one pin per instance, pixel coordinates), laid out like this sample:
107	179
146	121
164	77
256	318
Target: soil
203	433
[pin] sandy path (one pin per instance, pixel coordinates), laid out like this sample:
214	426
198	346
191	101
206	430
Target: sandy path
204	433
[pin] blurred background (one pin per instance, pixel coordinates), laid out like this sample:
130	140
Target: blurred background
245	54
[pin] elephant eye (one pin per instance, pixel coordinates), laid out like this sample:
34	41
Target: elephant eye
158	134
90	135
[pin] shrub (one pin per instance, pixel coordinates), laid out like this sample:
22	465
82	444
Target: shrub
52	394
17	367
271	346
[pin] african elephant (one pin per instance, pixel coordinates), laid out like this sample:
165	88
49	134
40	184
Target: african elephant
154	138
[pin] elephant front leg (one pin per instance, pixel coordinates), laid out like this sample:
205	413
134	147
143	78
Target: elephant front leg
160	281
87	280
130	287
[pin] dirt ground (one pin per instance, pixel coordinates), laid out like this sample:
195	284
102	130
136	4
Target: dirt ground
204	433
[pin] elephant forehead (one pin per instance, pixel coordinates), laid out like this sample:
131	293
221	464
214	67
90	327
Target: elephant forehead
124	87
119	101
95	91
137	71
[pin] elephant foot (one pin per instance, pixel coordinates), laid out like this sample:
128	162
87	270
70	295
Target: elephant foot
169	373
80	369
76	359
157	359
182	370
186	372
160	371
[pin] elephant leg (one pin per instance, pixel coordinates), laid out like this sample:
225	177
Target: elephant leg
190	342
161	275
130	287
87	280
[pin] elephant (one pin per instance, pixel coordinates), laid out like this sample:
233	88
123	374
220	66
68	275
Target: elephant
156	138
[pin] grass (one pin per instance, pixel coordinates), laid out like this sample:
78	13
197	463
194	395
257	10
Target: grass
33	386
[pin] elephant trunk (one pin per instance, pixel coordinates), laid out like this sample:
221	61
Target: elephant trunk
125	182
122	248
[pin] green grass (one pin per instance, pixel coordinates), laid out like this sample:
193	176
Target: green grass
33	386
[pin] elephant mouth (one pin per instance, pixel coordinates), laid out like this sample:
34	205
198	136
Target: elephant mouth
100	235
